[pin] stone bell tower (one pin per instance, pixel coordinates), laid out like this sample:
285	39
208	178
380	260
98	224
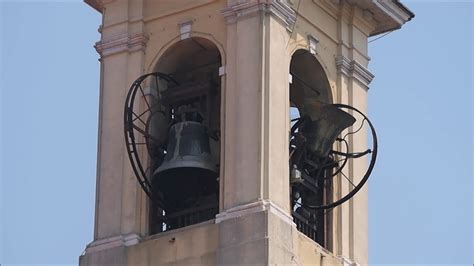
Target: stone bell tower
238	68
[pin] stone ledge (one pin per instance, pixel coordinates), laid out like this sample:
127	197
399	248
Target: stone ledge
348	262
112	242
254	207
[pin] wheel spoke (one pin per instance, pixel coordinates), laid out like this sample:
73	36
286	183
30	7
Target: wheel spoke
144	97
141	131
327	211
137	117
136	133
358	129
316	166
146	135
348	179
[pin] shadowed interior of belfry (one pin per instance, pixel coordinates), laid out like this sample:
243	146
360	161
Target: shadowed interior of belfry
186	125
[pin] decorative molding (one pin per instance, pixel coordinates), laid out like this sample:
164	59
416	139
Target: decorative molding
353	69
284	13
131	239
392	9
363	19
347	262
331	7
113	242
95	4
185	29
98	4
121	43
278	8
254	207
377	16
312	44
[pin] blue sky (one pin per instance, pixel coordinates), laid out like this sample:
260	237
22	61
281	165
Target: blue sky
421	200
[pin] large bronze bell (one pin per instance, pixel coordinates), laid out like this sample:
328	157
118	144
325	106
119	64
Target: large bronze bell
326	123
188	171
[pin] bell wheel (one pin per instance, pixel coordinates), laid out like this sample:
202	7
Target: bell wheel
316	181
140	123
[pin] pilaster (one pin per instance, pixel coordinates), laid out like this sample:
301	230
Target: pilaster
256	226
353	79
256	105
256	233
119	200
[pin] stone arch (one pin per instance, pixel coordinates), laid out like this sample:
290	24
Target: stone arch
194	64
192	61
309	80
309	85
177	39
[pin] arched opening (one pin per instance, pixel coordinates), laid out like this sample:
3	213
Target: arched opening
309	81
186	173
309	87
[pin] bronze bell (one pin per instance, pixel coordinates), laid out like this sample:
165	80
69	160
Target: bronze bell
188	169
326	123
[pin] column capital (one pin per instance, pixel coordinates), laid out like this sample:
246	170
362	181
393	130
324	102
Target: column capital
121	43
354	69
277	8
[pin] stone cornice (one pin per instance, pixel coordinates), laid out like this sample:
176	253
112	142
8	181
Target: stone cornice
394	10
387	14
121	43
329	6
384	15
98	4
364	21
276	8
353	69
95	4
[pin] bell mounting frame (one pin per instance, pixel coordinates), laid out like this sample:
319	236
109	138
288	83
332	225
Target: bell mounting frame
136	126
345	158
